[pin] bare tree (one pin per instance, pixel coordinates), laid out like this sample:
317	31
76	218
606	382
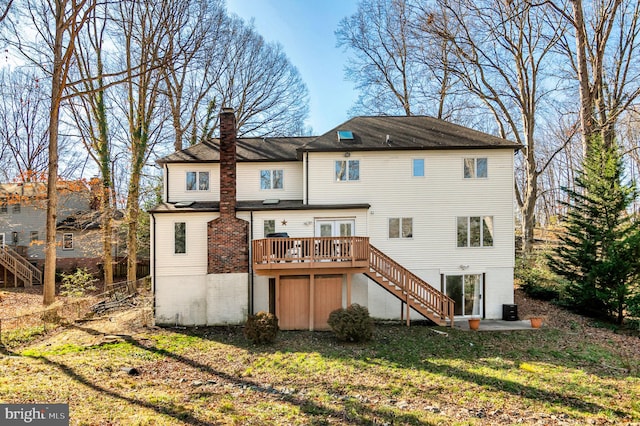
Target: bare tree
602	54
502	53
260	82
57	24
145	29
23	124
200	45
379	34
89	110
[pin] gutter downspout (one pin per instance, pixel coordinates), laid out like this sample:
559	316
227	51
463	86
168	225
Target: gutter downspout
166	183
250	281
305	164
153	259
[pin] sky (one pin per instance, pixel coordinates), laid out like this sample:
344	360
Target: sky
305	29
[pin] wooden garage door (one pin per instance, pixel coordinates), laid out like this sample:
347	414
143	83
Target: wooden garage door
294	303
327	298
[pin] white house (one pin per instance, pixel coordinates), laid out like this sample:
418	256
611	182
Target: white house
409	216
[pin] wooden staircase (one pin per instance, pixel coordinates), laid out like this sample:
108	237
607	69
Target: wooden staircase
411	289
19	267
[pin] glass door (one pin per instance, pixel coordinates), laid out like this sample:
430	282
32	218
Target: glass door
466	292
1	239
335	228
334	249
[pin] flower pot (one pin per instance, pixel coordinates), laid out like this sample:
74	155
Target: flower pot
474	323
536	322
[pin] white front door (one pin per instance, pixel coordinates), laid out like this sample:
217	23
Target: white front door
466	292
335	227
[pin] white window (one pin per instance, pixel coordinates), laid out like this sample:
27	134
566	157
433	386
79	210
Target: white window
271	179
475	168
3	208
67	241
179	237
16	208
347	170
418	167
401	227
197	181
475	231
269	227
33	237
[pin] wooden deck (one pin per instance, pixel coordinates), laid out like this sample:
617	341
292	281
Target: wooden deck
309	253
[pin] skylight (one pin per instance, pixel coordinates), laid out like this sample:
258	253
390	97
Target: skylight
345	135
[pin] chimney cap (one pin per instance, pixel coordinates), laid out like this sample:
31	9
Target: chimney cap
227	110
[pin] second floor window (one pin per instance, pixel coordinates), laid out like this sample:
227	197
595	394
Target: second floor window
197	181
271	179
16	208
401	227
418	167
347	170
3	208
475	231
475	168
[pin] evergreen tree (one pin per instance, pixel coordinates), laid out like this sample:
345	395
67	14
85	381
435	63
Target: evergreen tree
599	254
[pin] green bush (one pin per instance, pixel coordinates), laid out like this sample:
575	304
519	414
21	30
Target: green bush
535	278
352	324
261	328
78	283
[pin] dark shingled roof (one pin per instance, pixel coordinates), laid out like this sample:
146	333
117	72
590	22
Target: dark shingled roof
254	205
248	149
404	133
369	134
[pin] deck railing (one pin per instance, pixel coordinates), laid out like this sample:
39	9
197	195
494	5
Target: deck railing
419	294
270	251
19	266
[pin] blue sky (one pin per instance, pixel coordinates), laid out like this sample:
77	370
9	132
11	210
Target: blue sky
305	29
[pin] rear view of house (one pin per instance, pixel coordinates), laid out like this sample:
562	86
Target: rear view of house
409	216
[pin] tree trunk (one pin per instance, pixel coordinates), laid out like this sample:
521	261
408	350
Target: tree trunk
107	230
49	286
586	96
132	225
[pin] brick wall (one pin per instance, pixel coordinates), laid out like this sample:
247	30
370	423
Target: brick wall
227	236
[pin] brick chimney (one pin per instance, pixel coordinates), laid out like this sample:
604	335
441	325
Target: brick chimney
227	162
228	236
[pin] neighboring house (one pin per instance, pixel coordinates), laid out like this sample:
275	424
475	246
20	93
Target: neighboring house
23	226
409	216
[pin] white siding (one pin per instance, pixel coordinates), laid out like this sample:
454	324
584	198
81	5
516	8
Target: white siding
194	261
248	176
433	202
177	181
249	181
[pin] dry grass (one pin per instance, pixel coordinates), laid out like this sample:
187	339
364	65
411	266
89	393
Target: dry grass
562	374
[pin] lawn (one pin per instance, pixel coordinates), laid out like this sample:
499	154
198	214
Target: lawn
414	376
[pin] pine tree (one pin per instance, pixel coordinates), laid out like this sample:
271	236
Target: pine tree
599	254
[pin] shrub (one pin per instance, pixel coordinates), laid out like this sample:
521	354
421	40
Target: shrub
261	328
352	324
78	283
535	278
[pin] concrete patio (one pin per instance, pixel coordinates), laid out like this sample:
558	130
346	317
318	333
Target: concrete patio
496	325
